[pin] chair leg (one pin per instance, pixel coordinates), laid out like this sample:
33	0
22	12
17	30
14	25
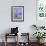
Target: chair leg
5	43
5	40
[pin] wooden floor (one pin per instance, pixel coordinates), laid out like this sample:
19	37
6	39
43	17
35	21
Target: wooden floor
13	44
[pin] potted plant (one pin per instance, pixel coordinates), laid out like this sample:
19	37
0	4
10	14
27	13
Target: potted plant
38	27
35	26
39	35
42	27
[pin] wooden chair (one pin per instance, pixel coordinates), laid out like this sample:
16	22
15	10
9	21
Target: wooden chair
23	35
8	34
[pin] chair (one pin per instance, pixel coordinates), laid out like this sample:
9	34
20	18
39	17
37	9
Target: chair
26	41
14	32
7	35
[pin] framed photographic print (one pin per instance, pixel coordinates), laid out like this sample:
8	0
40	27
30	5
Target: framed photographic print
17	13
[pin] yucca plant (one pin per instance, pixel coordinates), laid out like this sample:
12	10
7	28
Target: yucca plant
38	27
35	26
39	35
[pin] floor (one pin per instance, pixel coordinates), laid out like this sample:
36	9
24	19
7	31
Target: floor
13	44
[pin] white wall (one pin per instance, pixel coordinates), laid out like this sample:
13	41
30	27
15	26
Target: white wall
29	15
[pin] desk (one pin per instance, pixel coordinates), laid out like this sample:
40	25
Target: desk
8	34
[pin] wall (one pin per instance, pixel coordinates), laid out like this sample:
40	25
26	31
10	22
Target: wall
29	15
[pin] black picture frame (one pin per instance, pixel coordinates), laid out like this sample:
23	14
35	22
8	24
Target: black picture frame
17	13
